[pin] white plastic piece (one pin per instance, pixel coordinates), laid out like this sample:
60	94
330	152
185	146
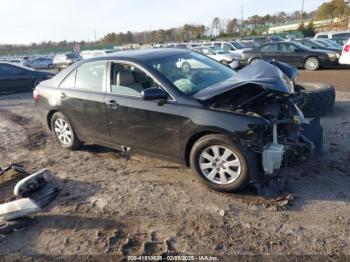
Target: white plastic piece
19	208
31	183
272	158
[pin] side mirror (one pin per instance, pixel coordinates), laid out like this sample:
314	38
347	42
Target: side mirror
154	93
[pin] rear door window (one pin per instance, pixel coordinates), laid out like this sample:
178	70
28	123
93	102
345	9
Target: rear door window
90	76
69	81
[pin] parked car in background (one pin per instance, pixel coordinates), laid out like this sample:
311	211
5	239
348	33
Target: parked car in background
86	54
14	78
264	39
292	53
248	43
329	42
62	61
40	63
345	56
317	44
220	55
232	128
333	34
341	37
228	46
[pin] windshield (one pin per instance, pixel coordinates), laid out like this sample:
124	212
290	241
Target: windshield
237	45
191	72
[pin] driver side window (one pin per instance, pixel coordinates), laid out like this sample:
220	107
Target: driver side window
129	80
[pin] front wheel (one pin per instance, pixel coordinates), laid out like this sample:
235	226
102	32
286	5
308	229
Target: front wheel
312	64
63	131
219	164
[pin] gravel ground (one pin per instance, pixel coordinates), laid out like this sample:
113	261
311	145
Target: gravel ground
108	206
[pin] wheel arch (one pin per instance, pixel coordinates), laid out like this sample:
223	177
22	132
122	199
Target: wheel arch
193	139
49	117
309	56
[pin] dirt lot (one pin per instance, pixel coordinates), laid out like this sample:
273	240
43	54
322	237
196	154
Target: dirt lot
108	206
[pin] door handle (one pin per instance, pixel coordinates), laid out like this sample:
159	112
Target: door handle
112	104
63	96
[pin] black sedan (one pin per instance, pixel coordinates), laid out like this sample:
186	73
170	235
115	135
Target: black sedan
15	78
231	128
291	53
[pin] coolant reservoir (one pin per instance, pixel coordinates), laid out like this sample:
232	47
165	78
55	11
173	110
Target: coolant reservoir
272	158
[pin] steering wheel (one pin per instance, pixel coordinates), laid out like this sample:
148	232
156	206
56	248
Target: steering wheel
197	78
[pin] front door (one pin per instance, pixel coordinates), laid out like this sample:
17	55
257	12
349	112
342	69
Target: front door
289	54
147	126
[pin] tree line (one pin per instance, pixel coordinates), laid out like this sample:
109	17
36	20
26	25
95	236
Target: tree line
219	27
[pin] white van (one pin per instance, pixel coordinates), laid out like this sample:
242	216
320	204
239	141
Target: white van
331	35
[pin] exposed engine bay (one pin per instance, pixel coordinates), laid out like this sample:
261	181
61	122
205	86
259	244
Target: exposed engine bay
281	141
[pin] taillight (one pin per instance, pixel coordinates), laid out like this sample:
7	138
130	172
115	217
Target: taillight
36	94
347	48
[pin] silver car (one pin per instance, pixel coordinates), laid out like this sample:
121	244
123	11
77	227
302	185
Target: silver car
220	55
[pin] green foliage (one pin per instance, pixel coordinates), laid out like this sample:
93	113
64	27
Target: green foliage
307	31
335	8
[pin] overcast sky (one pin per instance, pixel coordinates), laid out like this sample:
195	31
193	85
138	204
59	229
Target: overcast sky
26	21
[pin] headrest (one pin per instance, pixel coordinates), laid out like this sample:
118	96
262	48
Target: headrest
125	78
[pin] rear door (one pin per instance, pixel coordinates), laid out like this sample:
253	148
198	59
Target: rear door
82	101
270	51
147	126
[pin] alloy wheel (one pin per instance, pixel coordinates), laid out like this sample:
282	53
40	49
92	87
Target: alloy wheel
63	131
220	165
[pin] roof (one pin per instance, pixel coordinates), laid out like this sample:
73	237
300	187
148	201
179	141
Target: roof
146	54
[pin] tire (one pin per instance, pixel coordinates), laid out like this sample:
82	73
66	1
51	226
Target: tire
312	64
186	67
318	99
69	139
198	159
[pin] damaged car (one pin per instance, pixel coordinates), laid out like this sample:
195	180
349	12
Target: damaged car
232	128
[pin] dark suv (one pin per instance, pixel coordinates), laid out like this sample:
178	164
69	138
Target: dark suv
231	128
62	61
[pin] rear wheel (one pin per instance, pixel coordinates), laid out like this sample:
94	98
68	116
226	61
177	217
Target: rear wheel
219	164
64	132
312	64
318	98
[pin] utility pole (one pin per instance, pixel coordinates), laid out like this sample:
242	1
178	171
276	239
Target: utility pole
302	12
95	35
242	22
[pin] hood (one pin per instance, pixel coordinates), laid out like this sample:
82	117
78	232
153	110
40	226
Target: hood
259	73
